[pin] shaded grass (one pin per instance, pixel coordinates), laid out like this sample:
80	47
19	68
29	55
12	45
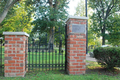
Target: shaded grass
91	74
61	75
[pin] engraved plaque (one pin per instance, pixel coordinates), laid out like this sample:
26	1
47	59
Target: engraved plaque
78	28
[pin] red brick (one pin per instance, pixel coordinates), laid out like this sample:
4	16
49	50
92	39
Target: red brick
20	42
73	48
11	35
15	71
79	54
15	64
14	51
79	42
19	61
79	73
15	45
11	61
72	73
76	51
20	49
6	55
22	58
7	71
72	36
19	55
11	55
75	63
72	54
11	67
8	38
82	51
16	58
12	42
76	45
82	57
84	54
82	63
83	45
16	38
82	34
82	69
72	60
79	60
83	23
79	48
75	69
76	39
19	67
12	48
72	42
70	69
76	57
82	39
72	66
20	74
22	70
9	51
79	67
8	64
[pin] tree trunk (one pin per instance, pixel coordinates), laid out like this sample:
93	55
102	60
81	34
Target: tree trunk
103	35
3	15
51	38
8	5
103	40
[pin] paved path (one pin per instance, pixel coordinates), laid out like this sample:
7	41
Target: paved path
90	58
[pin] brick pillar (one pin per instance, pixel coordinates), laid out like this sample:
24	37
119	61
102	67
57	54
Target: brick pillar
76	45
14	63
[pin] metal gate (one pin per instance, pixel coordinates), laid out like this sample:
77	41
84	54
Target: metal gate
1	57
43	55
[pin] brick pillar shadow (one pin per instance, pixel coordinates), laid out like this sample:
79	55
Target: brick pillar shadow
76	45
14	63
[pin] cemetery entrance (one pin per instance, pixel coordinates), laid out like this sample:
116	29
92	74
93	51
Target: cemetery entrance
47	53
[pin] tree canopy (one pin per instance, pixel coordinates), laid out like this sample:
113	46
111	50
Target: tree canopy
103	9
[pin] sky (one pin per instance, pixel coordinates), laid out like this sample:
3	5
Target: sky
72	5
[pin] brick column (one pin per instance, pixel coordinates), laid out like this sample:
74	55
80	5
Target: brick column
76	45
14	63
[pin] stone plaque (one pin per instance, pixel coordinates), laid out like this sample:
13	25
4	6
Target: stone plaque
78	28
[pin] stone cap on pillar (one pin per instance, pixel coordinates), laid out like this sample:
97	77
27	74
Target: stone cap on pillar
77	17
16	33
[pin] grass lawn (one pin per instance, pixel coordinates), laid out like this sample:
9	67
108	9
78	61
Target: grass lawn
93	72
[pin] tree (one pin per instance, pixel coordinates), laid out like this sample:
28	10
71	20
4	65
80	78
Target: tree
49	15
17	21
7	5
103	9
114	30
80	9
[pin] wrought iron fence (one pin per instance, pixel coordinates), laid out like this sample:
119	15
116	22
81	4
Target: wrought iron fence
43	55
1	55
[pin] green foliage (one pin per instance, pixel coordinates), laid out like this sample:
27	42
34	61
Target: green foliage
18	20
108	57
80	9
103	9
48	14
114	30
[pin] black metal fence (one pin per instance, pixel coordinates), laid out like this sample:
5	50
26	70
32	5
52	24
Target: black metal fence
44	55
1	57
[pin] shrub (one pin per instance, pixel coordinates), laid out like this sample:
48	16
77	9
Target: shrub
108	57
